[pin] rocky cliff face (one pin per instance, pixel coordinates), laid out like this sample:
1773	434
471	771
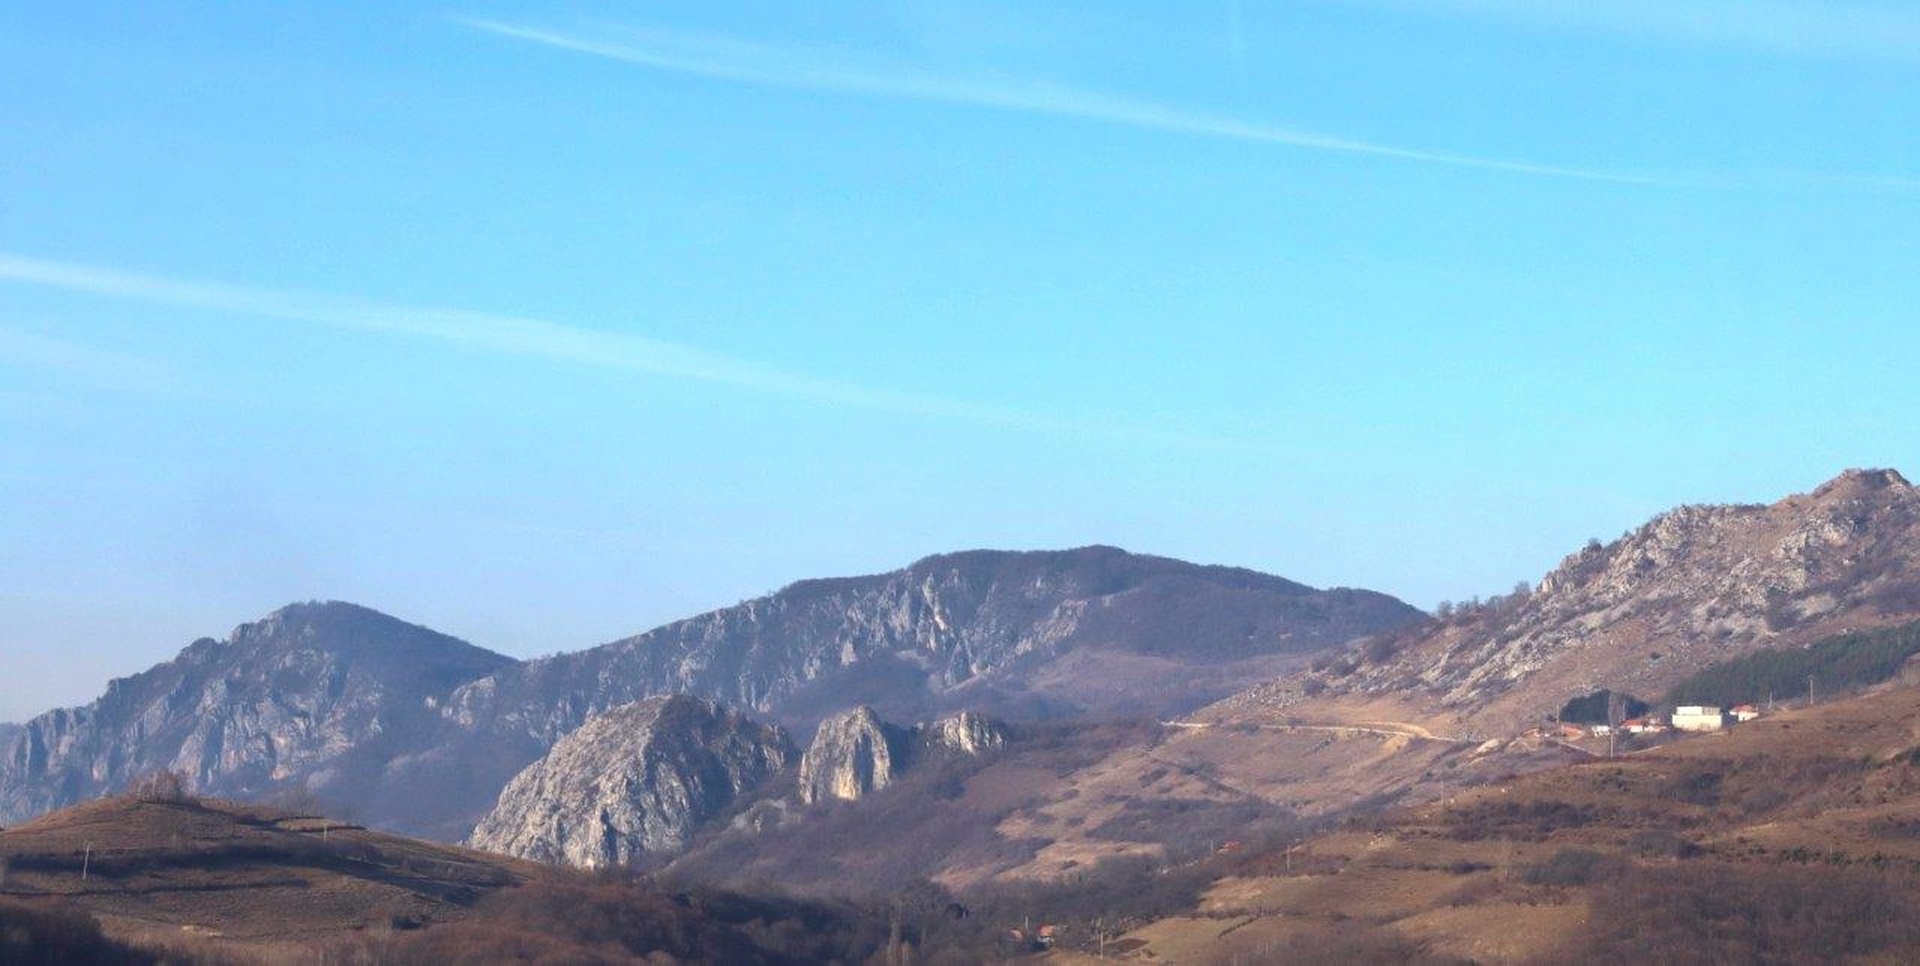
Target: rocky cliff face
964	733
855	753
638	779
852	754
1021	634
419	732
330	696
1692	587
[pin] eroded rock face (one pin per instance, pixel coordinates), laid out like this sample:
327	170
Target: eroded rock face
979	629
852	754
327	695
966	733
855	753
419	732
1694	586
638	779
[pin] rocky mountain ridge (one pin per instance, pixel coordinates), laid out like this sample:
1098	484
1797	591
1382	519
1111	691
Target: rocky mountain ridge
419	732
979	629
637	780
1692	587
330	695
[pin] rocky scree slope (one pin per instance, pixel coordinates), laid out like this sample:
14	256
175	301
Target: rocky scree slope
636	780
329	696
1693	587
855	753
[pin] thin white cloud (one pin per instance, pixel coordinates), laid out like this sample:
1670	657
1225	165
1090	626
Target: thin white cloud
739	61
553	341
511	335
1828	29
26	348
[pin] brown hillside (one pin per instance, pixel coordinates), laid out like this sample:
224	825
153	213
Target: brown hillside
237	877
180	880
1795	838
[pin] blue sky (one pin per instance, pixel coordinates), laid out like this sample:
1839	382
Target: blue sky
545	326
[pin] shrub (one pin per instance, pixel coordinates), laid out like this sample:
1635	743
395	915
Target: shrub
1844	662
31	935
1568	867
1379	649
1594	708
1701	912
161	787
1660	843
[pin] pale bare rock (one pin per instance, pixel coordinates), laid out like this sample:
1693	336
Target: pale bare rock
1693	587
966	733
639	779
855	753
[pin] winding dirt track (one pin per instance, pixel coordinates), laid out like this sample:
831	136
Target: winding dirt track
1391	729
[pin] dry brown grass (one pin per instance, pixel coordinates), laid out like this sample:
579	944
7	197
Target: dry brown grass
207	877
1774	842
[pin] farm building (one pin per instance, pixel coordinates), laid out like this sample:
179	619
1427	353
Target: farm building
1699	717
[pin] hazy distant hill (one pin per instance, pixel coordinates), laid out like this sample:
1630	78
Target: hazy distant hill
338	694
418	731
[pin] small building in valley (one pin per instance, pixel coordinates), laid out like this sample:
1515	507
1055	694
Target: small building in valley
1649	725
1745	712
1699	717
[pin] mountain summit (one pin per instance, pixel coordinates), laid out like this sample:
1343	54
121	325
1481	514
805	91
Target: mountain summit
420	732
1693	587
1096	630
320	693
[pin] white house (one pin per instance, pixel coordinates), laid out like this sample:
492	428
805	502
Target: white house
1696	717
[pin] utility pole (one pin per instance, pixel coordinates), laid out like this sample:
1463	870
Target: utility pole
1616	712
86	862
1809	690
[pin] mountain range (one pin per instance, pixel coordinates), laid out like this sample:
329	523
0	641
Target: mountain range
1141	740
419	732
